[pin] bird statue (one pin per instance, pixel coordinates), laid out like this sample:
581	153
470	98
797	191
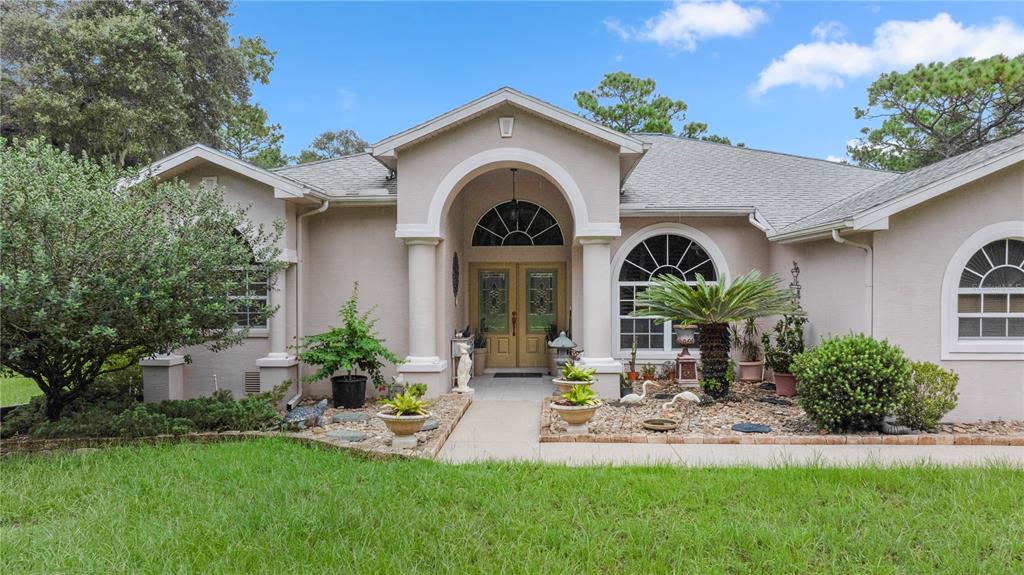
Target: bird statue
632	401
690	398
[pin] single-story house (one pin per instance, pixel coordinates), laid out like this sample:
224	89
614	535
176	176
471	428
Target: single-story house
513	214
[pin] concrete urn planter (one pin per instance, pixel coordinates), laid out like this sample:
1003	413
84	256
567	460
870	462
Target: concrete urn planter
750	370
479	361
404	427
576	416
565	386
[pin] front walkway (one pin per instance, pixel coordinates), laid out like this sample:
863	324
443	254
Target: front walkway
503	424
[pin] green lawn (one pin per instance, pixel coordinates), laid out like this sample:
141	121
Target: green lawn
274	507
15	390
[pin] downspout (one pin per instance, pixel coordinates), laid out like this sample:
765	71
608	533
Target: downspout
299	300
869	276
752	217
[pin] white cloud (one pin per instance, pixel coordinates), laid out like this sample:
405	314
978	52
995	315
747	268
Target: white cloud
686	22
837	159
897	45
830	30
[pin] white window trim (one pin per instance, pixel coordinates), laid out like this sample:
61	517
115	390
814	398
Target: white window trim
954	348
705	241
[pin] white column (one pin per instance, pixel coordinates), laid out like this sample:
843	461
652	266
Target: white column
279	365
597	315
423	365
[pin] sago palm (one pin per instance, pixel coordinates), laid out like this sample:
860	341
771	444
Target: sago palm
712	307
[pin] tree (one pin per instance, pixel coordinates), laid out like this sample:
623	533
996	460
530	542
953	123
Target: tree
97	274
247	136
712	307
634	107
937	111
333	145
123	80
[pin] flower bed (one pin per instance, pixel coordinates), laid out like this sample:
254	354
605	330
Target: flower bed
712	421
338	423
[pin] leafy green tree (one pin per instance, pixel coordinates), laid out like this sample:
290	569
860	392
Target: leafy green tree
248	136
937	111
712	307
333	145
632	106
123	80
96	273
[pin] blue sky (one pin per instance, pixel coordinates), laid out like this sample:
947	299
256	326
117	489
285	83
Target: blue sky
779	76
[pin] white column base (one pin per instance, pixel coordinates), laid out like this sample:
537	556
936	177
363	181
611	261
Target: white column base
163	377
277	368
609	370
431	371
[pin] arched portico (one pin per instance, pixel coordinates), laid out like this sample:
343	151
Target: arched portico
426	361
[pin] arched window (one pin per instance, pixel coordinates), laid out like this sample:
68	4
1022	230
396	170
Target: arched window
983	296
654	255
990	296
517	223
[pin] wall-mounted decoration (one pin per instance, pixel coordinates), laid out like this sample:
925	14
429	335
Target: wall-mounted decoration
455	277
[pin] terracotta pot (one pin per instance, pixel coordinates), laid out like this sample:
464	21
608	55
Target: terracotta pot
751	370
404	425
575	414
633	375
479	360
785	384
565	386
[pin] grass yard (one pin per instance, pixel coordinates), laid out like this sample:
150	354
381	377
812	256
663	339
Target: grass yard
16	390
273	507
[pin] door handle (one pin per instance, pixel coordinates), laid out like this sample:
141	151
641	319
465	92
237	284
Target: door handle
513	324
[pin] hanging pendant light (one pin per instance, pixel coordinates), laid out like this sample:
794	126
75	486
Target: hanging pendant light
515	203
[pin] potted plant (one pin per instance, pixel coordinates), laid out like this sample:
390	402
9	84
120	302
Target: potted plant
353	346
712	306
577	407
649	372
632	374
789	341
404	416
574	376
479	353
746	338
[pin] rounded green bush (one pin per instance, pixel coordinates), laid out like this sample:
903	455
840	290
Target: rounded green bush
851	382
932	395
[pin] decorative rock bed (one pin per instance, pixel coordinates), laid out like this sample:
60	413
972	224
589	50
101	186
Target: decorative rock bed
712	422
361	429
356	431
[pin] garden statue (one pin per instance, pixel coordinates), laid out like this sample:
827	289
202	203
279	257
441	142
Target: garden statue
465	370
689	398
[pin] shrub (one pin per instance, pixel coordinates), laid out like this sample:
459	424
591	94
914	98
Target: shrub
851	382
142	421
720	387
932	394
789	342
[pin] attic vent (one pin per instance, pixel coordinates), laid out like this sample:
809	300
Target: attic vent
252	382
505	126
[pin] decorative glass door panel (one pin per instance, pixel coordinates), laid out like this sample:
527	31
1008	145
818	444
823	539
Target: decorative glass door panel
543	306
492	297
540	299
494	301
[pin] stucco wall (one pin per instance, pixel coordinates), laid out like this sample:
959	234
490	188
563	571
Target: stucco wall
349	244
593	165
832	280
910	261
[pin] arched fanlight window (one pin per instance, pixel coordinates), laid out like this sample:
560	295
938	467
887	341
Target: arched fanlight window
657	255
990	296
517	223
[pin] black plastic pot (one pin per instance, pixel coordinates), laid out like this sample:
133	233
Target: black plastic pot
349	391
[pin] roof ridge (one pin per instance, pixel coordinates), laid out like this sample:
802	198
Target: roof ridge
761	150
325	160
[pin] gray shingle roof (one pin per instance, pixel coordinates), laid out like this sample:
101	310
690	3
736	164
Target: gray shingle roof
679	173
345	176
906	183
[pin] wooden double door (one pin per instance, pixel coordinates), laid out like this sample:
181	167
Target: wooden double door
515	304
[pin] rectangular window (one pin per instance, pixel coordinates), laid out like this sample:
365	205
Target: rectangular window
649	334
254	295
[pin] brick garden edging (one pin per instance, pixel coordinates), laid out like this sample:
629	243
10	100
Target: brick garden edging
758	439
27	446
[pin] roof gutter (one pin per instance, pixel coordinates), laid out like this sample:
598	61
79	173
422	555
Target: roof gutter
869	276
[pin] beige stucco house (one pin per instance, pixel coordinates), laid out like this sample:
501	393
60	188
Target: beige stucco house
932	260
